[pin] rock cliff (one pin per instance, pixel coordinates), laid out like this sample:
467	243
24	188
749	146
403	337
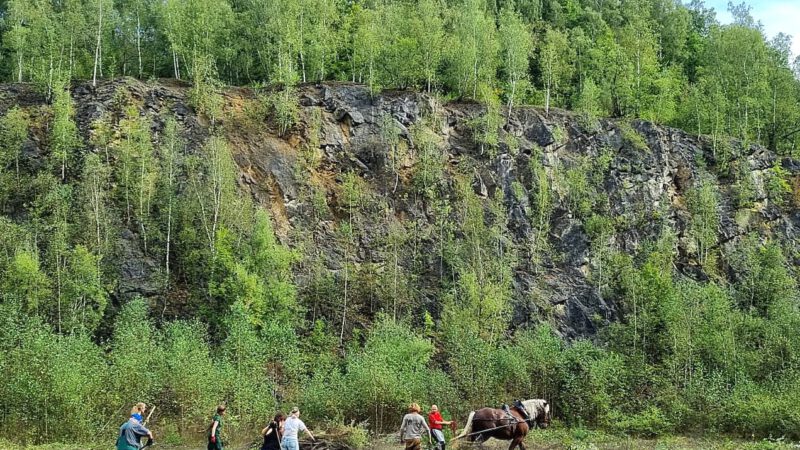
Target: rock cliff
569	189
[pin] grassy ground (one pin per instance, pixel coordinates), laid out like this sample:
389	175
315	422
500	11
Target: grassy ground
575	439
578	439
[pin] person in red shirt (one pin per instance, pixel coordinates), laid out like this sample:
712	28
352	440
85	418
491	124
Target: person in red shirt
435	422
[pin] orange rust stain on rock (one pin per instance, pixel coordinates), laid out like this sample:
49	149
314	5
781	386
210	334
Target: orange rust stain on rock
280	219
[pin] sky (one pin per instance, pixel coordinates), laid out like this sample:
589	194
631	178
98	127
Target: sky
776	16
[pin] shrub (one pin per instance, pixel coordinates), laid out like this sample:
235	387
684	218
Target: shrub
777	185
632	137
650	422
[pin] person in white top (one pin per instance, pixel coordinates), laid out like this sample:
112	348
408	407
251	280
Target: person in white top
291	428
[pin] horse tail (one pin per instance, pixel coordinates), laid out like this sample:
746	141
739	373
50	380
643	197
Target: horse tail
468	426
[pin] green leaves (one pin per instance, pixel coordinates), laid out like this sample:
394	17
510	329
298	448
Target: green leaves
65	140
473	49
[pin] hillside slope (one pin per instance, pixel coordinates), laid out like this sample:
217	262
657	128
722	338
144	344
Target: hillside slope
560	193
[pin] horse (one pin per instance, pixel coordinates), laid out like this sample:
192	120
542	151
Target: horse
497	424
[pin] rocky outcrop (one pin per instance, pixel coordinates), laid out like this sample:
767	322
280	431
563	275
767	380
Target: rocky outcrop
637	173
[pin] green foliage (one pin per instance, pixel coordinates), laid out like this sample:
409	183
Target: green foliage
251	388
485	127
430	169
721	355
764	278
205	94
65	138
632	137
777	185
702	201
650	422
284	108
86	296
473	49
136	172
554	64
745	188
516	46
542	202
594	384
24	283
651	59
135	351
194	379
13	133
581	181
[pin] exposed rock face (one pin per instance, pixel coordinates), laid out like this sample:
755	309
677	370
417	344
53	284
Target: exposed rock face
645	188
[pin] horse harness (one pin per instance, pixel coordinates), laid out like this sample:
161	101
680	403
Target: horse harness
511	418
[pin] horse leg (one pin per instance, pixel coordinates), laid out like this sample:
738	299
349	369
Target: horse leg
516	442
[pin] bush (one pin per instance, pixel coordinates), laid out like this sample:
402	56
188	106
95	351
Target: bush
282	106
390	372
632	137
594	384
649	423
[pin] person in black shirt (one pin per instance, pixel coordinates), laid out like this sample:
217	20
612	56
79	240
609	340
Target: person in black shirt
273	433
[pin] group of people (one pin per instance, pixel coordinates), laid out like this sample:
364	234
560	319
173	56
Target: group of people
414	425
280	434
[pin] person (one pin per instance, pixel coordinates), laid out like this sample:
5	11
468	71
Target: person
272	433
215	432
412	428
435	421
132	431
291	427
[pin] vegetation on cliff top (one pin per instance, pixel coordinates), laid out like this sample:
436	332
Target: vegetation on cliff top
653	59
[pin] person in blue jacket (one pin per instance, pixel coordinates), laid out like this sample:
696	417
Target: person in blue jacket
132	431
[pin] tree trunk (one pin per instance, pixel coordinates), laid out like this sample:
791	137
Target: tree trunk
139	41
547	100
511	98
175	65
99	40
19	74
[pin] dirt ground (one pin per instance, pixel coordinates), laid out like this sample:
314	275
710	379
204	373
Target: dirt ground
549	440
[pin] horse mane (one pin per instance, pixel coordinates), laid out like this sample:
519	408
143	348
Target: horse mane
536	406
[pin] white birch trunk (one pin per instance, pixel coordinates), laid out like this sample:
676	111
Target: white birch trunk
99	39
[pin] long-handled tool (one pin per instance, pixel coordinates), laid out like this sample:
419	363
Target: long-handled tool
148	416
150	441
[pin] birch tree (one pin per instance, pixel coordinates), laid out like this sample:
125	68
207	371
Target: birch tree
13	133
65	133
516	43
554	64
171	151
473	48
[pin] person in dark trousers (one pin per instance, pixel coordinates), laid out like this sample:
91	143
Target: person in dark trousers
215	432
412	428
435	421
273	433
132	431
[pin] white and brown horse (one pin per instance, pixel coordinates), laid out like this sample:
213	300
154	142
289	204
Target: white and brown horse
486	423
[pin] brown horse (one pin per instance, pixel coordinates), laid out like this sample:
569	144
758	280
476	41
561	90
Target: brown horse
488	423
